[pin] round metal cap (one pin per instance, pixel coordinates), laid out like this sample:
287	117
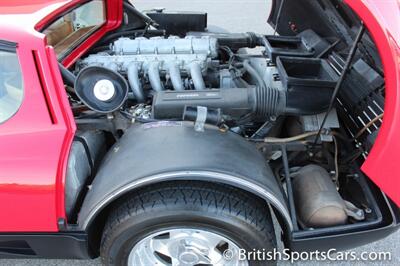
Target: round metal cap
104	90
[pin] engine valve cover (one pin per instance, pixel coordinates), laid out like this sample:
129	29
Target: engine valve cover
181	52
172	45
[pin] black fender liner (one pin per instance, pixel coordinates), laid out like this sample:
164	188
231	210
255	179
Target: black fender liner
151	153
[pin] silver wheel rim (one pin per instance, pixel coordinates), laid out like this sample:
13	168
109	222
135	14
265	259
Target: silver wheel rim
185	247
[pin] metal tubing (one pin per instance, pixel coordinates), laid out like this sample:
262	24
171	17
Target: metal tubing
289	187
112	66
197	76
134	82
154	77
175	75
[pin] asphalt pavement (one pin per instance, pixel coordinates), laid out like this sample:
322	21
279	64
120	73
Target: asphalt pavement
235	16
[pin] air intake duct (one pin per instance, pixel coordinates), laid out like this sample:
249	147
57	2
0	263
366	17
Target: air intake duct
235	102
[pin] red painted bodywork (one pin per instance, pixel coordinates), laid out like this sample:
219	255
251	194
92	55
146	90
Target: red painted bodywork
382	19
34	144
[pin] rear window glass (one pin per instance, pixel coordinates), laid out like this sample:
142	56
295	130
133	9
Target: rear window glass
68	31
11	85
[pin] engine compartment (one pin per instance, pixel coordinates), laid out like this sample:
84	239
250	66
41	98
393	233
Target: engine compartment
195	71
273	91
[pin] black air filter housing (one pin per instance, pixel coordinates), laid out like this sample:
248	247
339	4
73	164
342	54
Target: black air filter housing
286	46
179	23
309	83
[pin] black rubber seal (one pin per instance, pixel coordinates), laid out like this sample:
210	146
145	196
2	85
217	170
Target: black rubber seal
8	46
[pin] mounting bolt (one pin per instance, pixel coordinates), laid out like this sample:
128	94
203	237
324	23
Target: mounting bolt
62	224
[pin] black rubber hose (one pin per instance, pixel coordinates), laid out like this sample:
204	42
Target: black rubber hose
267	99
145	18
68	77
98	49
239	82
254	73
262	41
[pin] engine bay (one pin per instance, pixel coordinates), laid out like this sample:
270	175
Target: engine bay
279	93
197	71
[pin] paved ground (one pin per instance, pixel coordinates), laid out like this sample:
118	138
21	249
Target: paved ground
236	16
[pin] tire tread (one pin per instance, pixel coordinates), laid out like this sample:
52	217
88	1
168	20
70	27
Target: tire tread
218	198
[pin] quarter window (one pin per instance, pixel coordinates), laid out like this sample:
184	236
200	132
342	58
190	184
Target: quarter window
68	31
11	85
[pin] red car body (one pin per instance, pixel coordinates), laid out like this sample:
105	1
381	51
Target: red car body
35	142
38	138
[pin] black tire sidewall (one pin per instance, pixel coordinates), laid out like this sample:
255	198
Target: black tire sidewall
136	228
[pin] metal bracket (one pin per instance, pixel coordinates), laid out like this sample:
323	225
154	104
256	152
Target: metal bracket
201	118
353	211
